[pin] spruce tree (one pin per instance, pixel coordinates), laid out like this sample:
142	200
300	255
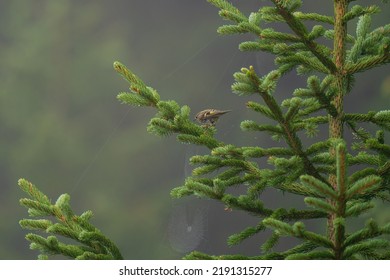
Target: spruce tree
337	178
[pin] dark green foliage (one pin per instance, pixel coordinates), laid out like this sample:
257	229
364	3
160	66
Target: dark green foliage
93	244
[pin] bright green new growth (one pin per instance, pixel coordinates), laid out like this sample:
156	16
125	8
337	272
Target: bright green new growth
318	172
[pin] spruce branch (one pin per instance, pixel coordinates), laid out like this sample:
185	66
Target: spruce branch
248	232
364	185
369	62
267	246
298	230
366	247
170	117
93	244
356	208
314	255
263	89
357	11
299	29
228	7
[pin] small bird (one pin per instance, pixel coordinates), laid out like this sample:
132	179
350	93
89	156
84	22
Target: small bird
209	116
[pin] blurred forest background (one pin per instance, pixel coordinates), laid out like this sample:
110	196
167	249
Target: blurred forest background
62	128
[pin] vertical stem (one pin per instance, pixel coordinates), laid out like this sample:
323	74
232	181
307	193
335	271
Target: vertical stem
335	123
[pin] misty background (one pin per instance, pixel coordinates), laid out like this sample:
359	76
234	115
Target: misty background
62	128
